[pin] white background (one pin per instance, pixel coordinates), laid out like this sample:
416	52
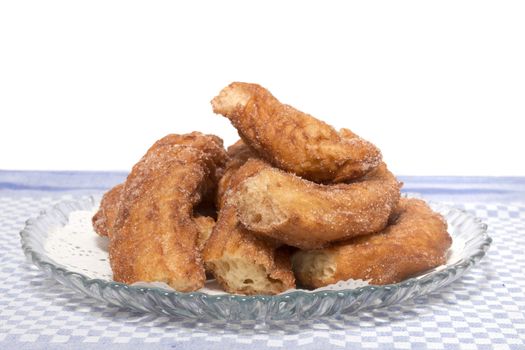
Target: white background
438	86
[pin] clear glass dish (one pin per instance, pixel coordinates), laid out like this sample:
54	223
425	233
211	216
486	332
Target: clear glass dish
463	227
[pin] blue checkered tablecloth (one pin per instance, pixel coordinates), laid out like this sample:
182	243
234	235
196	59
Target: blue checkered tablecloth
485	309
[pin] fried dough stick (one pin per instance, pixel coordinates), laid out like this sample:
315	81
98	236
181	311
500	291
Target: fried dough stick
240	261
104	219
308	215
292	140
155	236
415	241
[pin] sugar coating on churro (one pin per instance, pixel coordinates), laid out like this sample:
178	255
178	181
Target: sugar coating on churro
308	215
293	140
155	235
415	240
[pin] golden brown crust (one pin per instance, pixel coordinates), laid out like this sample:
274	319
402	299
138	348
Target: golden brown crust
240	261
211	145
308	215
292	140
155	236
417	240
104	218
238	154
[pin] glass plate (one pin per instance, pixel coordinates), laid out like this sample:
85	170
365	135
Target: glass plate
464	228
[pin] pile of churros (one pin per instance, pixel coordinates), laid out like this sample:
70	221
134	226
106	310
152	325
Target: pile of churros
294	203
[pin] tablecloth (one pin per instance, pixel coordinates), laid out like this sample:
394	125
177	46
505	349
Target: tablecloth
485	309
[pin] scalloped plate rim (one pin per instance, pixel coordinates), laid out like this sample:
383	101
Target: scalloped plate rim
42	261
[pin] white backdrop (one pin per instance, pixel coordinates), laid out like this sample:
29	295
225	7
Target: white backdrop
438	86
